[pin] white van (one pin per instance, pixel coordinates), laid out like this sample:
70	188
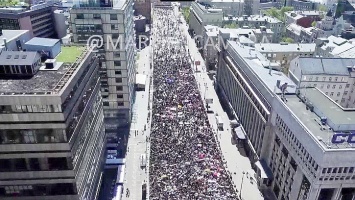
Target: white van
143	160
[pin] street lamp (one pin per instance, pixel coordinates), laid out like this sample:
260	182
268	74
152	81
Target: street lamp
241	185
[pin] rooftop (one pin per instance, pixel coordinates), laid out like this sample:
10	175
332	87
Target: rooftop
18	57
330	66
42	42
323	107
254	18
285	47
43	82
69	53
260	65
10	35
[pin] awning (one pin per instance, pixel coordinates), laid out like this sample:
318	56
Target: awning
140	79
265	171
239	132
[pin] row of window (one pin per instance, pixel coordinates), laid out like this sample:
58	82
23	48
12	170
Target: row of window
119	103
35	164
16	136
30	109
37	190
336	79
96	16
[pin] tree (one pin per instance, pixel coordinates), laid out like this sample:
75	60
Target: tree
314	23
278	13
231	25
288	40
323	8
186	14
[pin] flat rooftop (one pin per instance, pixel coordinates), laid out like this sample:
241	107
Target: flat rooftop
42	83
9	35
259	64
312	121
277	47
42	42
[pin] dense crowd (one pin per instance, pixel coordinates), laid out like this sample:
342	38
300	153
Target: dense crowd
185	161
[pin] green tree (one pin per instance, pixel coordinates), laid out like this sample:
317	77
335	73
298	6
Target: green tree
314	24
323	8
231	25
186	14
278	13
288	40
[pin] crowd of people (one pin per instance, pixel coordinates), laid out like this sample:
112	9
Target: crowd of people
185	159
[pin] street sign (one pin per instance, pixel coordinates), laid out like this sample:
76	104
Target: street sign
197	62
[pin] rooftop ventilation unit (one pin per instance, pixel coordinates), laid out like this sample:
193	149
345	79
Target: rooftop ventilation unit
50	63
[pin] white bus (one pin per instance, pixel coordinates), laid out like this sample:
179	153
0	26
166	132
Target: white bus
143	160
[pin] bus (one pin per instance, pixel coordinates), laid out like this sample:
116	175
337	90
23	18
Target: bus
143	160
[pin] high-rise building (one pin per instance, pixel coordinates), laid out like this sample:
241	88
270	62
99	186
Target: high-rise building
112	20
299	139
52	136
143	7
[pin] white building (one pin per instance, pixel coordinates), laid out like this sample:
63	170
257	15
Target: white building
283	53
299	139
117	66
257	21
229	7
335	47
333	76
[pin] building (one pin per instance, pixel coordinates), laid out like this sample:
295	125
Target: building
304	35
251	7
257	21
38	19
284	53
52	136
140	23
201	15
144	8
332	76
13	40
117	66
49	48
214	35
297	137
335	47
61	22
303	18
303	5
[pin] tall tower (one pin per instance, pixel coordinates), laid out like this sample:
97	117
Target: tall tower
110	19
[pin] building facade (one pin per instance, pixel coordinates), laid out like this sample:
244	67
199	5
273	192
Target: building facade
337	83
117	64
37	19
300	134
143	7
52	136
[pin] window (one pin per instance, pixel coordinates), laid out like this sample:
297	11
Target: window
114	26
118	80
310	78
315	85
336	78
322	86
117	63
330	78
113	17
97	16
120	103
118	72
120	96
106	104
316	78
340	86
326	93
115	36
331	94
338	94
333	86
119	88
346	92
328	86
80	16
117	54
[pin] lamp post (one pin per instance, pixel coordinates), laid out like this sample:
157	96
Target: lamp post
241	186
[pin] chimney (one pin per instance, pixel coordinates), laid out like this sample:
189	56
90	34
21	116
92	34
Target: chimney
5	44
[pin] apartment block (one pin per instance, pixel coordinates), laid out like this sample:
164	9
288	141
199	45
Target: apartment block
52	136
117	64
299	140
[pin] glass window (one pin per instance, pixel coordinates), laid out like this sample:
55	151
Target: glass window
114	26
119	96
120	103
113	17
118	80
117	63
118	72
119	88
106	103
80	16
97	16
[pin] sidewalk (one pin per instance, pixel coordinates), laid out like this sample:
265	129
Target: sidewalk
236	163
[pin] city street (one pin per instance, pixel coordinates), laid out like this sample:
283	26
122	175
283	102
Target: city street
135	176
236	162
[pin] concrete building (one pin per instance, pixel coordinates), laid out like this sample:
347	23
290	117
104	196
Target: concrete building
297	137
117	66
52	136
257	21
332	76
13	40
229	7
214	35
144	8
303	5
61	23
304	35
201	16
38	19
284	53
